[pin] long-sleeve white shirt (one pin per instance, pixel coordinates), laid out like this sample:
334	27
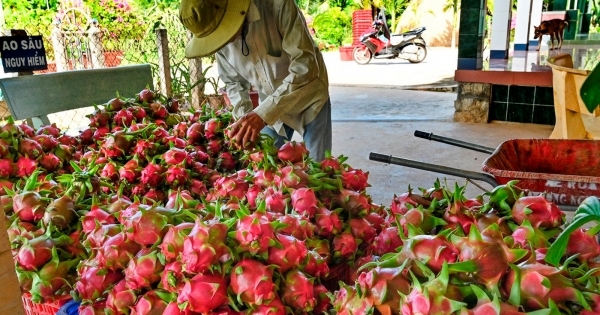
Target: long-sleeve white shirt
283	64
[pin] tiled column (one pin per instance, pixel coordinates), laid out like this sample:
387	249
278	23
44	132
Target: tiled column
501	29
522	28
535	20
470	37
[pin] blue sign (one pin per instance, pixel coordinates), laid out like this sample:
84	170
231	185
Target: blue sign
23	53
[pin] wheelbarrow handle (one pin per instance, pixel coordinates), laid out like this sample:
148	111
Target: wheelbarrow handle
433	168
462	144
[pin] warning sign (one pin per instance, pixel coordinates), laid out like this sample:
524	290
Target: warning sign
23	53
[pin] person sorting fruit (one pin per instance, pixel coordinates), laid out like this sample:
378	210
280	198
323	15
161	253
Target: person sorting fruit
265	44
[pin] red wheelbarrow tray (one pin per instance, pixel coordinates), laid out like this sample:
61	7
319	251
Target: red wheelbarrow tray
568	171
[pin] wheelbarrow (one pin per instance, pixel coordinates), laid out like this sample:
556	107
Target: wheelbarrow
566	171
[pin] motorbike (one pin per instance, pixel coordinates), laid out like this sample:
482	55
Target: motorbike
374	44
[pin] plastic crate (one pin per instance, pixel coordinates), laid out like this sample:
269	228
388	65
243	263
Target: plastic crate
43	308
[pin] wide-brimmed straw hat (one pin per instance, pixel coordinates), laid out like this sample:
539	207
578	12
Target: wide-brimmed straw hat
213	22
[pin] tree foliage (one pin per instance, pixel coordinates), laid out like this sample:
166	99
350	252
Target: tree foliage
333	25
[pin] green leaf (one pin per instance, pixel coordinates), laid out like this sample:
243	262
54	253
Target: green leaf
587	212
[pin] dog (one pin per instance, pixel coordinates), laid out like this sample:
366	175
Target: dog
554	28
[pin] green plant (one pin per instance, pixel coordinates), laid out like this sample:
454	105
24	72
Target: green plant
332	26
118	21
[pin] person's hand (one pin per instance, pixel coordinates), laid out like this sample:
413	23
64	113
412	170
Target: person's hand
246	130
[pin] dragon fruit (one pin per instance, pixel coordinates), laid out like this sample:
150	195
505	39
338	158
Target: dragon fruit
401	204
120	299
304	201
101	234
130	172
487	257
274	307
96	216
298	291
30	148
429	297
276	201
94	281
316	265
35	253
264	178
48	161
226	161
152	175
354	179
231	186
47	143
387	241
60	212
422	219
146	227
356	203
116	251
323	301
539	211
292	152
195	133
293	177
204	293
145	149
25	166
172	244
51	278
383	287
327	222
212	128
531	238
144	270
255	233
347	301
296	226
344	246
176	175
252	282
534	285
584	244
7	168
175	156
172	277
290	254
363	230
150	303
204	247
29	206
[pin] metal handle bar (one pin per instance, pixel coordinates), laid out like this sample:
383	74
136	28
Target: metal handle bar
454	142
433	168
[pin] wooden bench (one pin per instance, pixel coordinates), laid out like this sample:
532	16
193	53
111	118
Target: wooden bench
33	97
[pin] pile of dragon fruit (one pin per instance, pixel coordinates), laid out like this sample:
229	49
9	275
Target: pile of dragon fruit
153	211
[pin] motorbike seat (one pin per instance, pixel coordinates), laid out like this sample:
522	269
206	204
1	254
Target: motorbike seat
416	31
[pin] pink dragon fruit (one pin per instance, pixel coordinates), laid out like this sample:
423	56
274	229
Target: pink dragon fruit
120	299
146	227
7	168
274	307
204	247
212	127
401	204
539	284
94	281
255	233
264	178
150	303
387	241
297	226
96	216
292	176
323	301
425	220
29	206
354	179
344	246
152	175
232	186
327	222
316	265
291	253
292	152
130	172
116	252
430	297
298	291
176	175
347	301
356	203
172	244
25	166
35	253
51	278
276	201
101	234
363	230
383	287
253	282
175	156
144	270
204	293
584	244
539	211
97	308
172	277
529	237
30	148
304	201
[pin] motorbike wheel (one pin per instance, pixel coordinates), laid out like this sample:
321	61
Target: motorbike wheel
419	55
362	55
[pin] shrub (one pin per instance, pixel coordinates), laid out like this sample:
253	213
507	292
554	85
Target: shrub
333	26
